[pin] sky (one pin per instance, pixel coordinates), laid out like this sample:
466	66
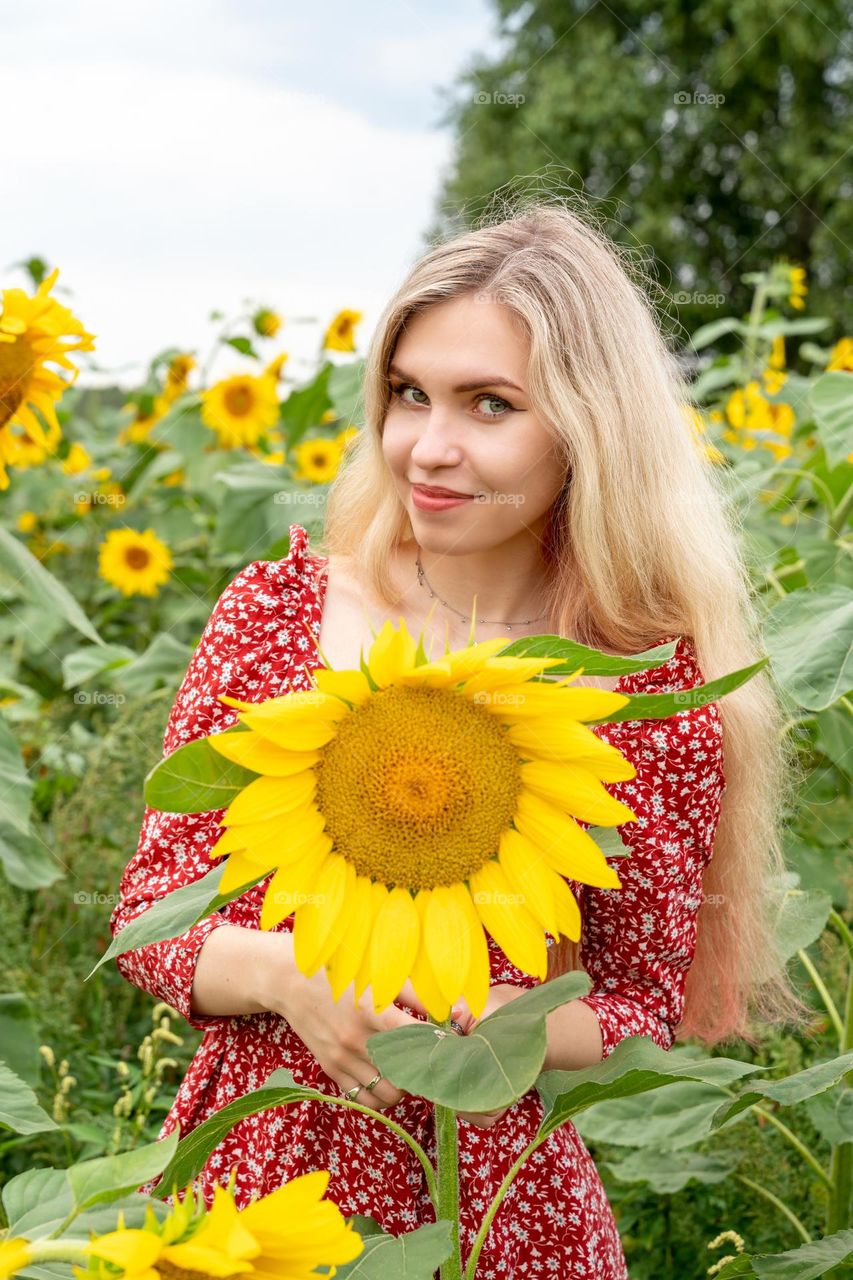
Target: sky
178	158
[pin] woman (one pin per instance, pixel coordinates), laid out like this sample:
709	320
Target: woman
520	368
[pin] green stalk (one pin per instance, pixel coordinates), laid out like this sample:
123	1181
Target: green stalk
780	1204
447	1207
795	1142
755	316
829	1003
841	1161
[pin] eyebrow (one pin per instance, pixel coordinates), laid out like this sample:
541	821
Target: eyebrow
482	380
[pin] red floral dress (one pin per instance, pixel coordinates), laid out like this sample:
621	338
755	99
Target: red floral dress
637	947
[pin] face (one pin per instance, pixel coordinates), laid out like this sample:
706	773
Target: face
460	419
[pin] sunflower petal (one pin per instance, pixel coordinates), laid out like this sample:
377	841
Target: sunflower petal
393	946
261	755
448	941
345	962
423	978
529	874
270	798
566	847
391	654
290	886
314	928
574	787
508	921
353	686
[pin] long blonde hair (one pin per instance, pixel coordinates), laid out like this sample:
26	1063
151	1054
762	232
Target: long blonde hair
641	543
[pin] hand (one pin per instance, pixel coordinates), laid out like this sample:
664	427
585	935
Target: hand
335	1032
500	994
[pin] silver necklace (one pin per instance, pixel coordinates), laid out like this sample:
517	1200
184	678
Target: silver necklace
424	580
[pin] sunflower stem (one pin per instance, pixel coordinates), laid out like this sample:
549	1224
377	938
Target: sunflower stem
447	1160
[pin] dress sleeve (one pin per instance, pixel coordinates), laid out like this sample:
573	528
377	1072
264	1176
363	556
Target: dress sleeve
246	630
638	941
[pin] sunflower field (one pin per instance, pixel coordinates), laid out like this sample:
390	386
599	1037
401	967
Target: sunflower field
125	513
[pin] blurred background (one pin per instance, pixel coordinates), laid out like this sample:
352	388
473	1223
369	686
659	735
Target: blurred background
205	207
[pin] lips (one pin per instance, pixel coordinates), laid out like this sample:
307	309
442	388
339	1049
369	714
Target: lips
441	493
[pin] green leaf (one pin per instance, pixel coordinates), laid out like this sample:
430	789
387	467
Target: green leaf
593	661
417	1255
82	664
15	784
809	637
657	706
109	1177
800	920
831	1113
26	861
38	1201
163	663
345	392
635	1066
832	402
251	511
19	1036
243	345
787	1092
304	408
805	1263
195	779
670	1119
609	842
669	1171
494	1065
40	587
19	1106
193	1150
708	333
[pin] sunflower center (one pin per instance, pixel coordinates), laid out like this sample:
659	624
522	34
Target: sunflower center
168	1271
417	786
16	363
137	558
238	400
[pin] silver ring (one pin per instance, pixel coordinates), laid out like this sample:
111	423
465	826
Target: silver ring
456	1026
350	1093
374	1082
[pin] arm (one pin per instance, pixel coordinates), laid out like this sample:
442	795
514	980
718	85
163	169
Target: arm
172	849
638	941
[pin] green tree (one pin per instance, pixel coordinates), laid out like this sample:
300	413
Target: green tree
717	135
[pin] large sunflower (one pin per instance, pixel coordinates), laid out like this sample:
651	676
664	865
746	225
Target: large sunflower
34	332
283	1236
340	335
240	409
405	806
135	563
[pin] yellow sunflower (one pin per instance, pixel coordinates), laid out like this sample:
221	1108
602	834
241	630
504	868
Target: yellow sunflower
240	409
317	460
798	286
139	428
405	806
266	322
79	459
177	374
34	332
135	563
15	1254
283	1236
841	356
340	335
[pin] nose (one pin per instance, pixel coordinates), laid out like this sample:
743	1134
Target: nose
439	440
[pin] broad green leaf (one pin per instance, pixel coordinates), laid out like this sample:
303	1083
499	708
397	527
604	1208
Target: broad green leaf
345	392
657	706
808	1262
832	401
244	346
82	664
195	779
809	637
251	512
793	1089
801	917
637	1065
831	1113
40	586
593	661
304	407
15	783
19	1036
26	861
609	842
669	1119
38	1201
280	1088
708	333
669	1171
182	428
494	1065
163	663
109	1177
169	917
417	1255
19	1106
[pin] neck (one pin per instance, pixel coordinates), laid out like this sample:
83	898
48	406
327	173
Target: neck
508	582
